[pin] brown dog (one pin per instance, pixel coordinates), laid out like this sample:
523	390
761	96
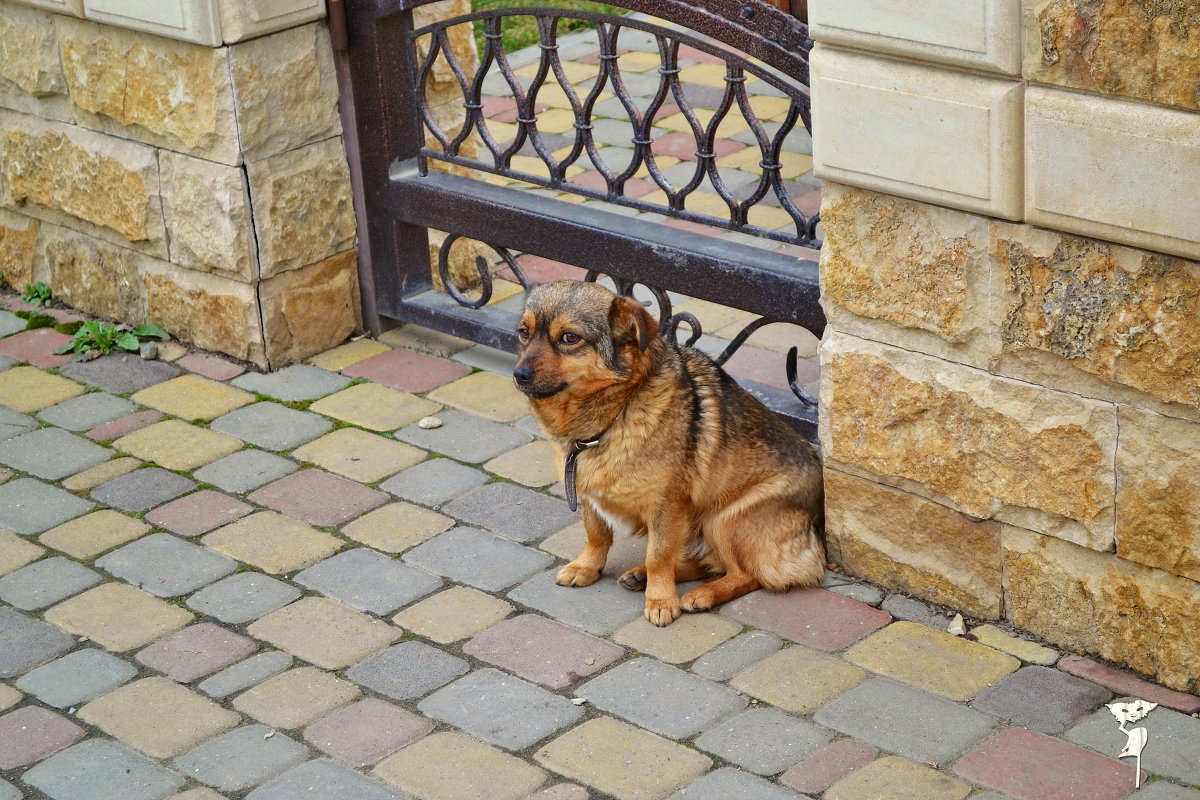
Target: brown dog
658	441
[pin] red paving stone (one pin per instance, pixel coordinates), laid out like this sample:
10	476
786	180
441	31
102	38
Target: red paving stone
812	617
688	52
634	187
36	346
31	733
196	651
1033	766
408	370
510	114
493	105
364	732
682	145
828	765
219	369
125	425
767	367
318	498
809	203
594	58
1127	684
543	650
198	512
800	252
542	270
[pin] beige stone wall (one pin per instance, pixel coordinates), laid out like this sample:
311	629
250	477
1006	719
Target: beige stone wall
1011	395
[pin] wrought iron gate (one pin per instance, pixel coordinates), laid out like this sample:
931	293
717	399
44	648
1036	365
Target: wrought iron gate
405	189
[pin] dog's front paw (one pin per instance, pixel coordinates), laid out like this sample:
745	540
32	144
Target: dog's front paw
663	612
574	574
634	580
698	599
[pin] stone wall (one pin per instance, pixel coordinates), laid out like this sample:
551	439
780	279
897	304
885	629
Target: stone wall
1011	375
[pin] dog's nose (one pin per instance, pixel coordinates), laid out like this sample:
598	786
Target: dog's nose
524	373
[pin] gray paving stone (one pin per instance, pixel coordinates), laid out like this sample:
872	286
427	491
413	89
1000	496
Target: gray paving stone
29	506
120	373
731	657
728	783
906	608
243	597
1159	790
76	678
530	425
904	720
244	674
14	423
245	470
601	608
1041	699
434	481
26	642
862	592
501	709
9	792
45	582
101	769
478	559
407	670
272	426
661	698
1171	749
465	437
87	411
10	323
368	580
142	489
51	453
241	758
512	511
765	741
166	566
297	382
324	780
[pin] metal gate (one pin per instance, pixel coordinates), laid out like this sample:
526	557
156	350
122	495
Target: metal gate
404	188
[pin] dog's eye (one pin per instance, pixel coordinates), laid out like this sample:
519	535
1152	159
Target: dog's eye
523	333
570	338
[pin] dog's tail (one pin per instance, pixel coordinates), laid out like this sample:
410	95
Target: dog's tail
798	561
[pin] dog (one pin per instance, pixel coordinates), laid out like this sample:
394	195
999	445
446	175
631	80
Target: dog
658	441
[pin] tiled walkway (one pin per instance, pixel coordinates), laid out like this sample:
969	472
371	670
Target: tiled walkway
282	587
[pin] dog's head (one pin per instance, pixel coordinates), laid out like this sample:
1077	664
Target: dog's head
578	338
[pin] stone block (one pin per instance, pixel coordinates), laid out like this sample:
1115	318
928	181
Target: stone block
765	741
1124	682
797	679
104	769
46	582
101	473
686	639
980	34
1170	732
359	455
1112	169
15	552
408	670
454	614
271	426
28	642
241	758
29	389
368	581
88	536
828	765
479	559
204	309
1029	764
298	382
158	716
735	655
272	542
318	498
87	411
1042	699
245	470
374	407
29	60
177	446
433	482
245	19
542	650
243	597
886	774
366	731
76	678
187	20
454	766
19	249
296	697
120	373
465	437
118	617
29	506
975	122
206	207
196	651
599	609
512	511
325	779
324	632
244	674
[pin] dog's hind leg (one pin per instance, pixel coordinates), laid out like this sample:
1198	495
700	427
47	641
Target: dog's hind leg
585	569
690	570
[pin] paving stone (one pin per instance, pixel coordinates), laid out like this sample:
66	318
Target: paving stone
271	426
397	526
15	552
893	778
158	716
1029	652
142	489
359	455
485	394
101	473
1170	750
599	609
10	323
210	366
407	371
166	566
196	651
87	536
9	697
241	758
476	558
87	411
120	373
1041	699
14	423
319	498
368	581
407	670
424	340
175	444
76	678
621	760
272	542
244	674
731	784
36	347
627	551
798	679
906	608
543	650
30	734
453	615
374	407
124	426
685	639
193	397
9	792
735	655
29	389
26	642
1125	683
487	358
366	731
1027	764
100	769
295	698
29	506
323	780
342	356
1159	790
243	597
453	766
535	464
465	437
828	765
813	617
862	592
324	632
198	512
297	382
45	582
661	698
904	720
245	470
764	741
512	511
118	617
433	482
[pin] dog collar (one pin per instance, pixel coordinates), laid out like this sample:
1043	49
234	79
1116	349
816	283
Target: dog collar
577	447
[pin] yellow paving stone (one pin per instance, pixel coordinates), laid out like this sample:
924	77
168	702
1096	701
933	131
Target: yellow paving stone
531	165
704	202
29	389
90	535
794	164
777	337
556	120
534	464
638	61
425	340
118	617
101	473
175	444
193	397
739	159
201	793
296	697
770	217
454	614
16	552
707	74
171	351
396	527
770	107
627	551
342	356
798	679
502	131
1030	652
6	475
932	660
677	642
486	394
454	766
359	455
895	778
375	407
324	632
158	716
662	162
714	316
502	290
732	124
9	697
273	542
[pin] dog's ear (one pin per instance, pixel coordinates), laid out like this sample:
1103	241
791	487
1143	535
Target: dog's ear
630	320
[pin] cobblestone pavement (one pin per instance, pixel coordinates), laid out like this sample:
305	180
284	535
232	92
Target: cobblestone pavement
224	584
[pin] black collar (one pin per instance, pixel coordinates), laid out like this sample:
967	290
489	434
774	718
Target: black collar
577	447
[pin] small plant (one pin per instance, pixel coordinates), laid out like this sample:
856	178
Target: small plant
102	337
38	294
36	319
